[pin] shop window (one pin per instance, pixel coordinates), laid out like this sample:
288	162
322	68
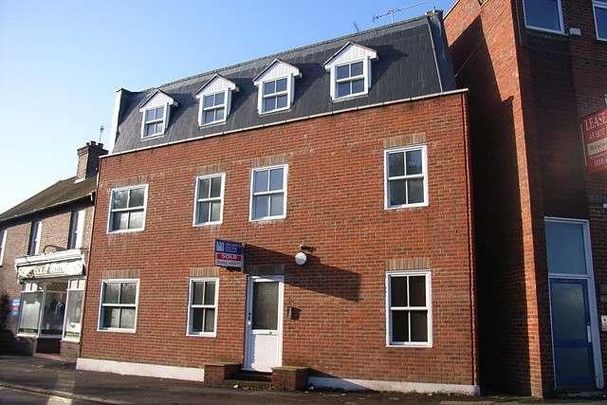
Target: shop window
53	312
208	208
203	307
269	193
600	19
127	209
31	304
544	15
408	309
118	310
73	313
406	177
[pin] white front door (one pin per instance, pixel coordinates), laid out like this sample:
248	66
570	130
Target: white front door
263	347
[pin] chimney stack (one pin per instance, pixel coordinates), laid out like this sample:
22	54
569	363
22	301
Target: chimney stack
88	159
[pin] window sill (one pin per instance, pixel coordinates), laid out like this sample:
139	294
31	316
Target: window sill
70	340
546	31
122	231
268	219
202	335
279	110
409	345
351	97
211	124
116	330
407	206
152	137
208	224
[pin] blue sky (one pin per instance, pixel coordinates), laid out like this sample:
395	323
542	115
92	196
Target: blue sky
61	61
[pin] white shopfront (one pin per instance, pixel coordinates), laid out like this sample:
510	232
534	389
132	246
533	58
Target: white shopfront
52	295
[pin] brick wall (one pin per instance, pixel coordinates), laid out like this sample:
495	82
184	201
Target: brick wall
528	91
55	232
335	204
511	328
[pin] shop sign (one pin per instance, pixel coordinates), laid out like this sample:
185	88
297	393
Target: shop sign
15	304
229	254
594	131
53	269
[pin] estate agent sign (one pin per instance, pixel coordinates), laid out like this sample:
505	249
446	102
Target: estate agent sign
229	254
594	131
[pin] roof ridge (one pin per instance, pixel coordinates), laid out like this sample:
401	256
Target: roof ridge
295	49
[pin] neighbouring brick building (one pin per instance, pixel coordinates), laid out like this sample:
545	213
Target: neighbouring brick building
44	248
534	70
350	156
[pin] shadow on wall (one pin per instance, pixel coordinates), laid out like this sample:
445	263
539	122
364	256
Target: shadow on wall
502	307
313	276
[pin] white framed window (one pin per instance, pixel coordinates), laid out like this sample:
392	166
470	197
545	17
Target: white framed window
350	79
275	95
276	87
76	230
215	99
202	307
409	308
3	235
156	110
73	310
544	15
213	108
269	193
127	209
208	202
35	237
406	177
600	19
118	305
154	121
350	69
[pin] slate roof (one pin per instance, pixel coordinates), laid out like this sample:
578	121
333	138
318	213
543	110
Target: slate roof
61	193
413	60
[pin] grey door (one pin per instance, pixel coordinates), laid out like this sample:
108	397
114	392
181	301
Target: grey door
571	333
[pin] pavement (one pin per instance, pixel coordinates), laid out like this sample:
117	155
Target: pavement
34	380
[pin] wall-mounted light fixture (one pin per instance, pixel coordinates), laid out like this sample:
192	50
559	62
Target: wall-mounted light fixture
301	257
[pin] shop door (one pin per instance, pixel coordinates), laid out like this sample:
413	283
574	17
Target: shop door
575	333
571	333
263	346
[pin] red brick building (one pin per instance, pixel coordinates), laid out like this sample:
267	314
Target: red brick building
534	71
350	156
44	248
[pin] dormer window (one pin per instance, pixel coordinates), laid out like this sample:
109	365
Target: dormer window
156	110
276	84
275	95
154	120
215	100
214	108
350	70
350	79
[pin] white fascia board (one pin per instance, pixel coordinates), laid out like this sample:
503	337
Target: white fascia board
217	84
159	99
348	53
276	70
